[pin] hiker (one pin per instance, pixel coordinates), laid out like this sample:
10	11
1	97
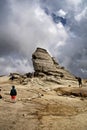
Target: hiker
13	93
79	81
0	94
12	77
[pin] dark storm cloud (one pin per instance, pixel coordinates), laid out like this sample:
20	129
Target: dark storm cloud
7	45
4	11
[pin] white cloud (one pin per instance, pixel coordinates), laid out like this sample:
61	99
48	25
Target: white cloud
61	13
14	65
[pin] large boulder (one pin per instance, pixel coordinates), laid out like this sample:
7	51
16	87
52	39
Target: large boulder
44	63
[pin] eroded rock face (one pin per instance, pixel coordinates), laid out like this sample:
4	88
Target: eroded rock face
69	91
44	63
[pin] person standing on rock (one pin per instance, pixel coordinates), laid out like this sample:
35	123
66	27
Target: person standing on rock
80	82
13	94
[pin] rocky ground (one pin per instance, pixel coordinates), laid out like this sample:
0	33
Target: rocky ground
43	104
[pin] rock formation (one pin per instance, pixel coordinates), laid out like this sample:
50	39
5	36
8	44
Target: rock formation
52	102
44	63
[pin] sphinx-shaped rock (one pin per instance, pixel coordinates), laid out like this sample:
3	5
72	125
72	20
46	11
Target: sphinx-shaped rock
44	63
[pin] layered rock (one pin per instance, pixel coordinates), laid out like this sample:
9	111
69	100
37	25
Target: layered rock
44	63
72	91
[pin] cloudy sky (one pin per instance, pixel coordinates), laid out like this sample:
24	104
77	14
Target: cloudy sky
60	26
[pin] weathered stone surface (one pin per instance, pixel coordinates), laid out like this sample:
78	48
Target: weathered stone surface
44	63
80	92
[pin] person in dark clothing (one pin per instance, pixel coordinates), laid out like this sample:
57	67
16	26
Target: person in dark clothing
13	93
0	95
80	82
12	77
